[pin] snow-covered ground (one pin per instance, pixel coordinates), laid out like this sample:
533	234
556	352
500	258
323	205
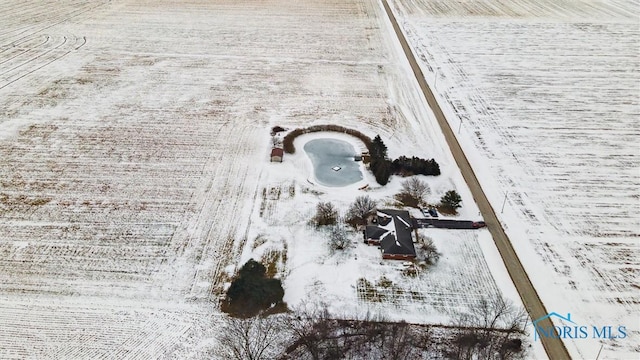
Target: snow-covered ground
546	99
134	150
356	281
135	177
281	223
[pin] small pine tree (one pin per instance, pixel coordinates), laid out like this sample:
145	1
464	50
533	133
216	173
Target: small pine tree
451	199
379	149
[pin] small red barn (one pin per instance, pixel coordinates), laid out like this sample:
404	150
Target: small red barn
277	154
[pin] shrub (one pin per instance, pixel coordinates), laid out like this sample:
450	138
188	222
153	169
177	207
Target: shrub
429	251
291	136
276	129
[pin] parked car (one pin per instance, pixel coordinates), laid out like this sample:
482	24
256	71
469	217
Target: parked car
433	212
478	224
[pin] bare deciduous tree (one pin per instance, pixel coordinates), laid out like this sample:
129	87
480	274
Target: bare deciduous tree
339	238
326	214
360	209
253	338
428	250
397	342
495	330
413	192
310	327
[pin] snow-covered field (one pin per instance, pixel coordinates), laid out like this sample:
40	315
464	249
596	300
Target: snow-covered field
134	139
546	96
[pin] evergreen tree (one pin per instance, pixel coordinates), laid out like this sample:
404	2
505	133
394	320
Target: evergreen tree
251	291
378	148
383	172
451	199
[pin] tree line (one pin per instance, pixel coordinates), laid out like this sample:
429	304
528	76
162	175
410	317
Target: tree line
382	167
496	331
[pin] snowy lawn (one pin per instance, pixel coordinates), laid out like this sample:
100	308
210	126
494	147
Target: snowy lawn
312	272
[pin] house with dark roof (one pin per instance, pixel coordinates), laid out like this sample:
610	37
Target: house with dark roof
391	231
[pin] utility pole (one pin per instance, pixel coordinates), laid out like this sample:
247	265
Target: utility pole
460	126
598	356
435	82
504	202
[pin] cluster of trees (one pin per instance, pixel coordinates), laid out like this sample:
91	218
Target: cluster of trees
405	166
252	292
313	334
382	167
357	213
414	191
495	331
327	216
316	335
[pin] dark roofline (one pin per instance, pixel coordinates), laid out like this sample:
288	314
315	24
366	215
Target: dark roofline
374	232
402	236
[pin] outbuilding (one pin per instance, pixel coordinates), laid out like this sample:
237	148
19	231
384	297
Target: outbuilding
277	154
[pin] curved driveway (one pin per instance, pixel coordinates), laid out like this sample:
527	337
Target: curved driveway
554	347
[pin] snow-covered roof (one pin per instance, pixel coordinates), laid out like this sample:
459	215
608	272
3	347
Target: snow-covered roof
398	238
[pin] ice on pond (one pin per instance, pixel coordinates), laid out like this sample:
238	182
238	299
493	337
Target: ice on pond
336	155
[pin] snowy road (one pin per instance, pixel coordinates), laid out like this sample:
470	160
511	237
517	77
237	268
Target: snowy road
554	347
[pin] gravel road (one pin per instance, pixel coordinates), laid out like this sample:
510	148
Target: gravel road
554	347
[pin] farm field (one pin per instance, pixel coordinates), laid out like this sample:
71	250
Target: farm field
544	97
134	141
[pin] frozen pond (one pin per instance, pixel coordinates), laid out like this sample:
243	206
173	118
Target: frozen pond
333	163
